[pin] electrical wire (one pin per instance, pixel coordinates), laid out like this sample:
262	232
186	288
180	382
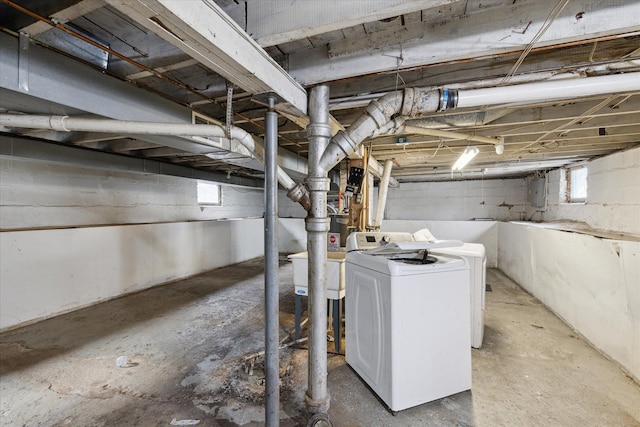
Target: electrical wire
545	26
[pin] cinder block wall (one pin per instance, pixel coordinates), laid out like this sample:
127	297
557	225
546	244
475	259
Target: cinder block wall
74	236
613	200
495	199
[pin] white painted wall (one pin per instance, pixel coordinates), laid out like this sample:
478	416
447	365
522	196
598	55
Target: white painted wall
66	244
590	282
287	208
40	194
613	195
504	200
483	232
292	235
48	272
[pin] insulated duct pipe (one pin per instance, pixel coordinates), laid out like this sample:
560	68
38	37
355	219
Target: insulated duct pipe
317	225
412	102
382	194
296	192
271	282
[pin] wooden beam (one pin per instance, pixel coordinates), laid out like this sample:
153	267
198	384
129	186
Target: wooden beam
288	22
203	31
162	70
64	16
486	33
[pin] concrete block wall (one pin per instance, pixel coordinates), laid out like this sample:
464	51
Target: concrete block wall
73	236
613	195
36	194
496	199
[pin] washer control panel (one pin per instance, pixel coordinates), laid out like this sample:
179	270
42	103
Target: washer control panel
359	241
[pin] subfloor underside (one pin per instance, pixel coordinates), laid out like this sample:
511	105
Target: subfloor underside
176	354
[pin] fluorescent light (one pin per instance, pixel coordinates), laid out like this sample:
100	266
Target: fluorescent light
469	153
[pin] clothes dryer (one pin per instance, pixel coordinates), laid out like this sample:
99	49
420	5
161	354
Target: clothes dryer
475	255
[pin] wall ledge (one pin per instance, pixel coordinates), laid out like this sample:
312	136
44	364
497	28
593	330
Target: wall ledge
581	228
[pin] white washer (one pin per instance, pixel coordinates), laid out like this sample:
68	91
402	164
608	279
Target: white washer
407	323
475	255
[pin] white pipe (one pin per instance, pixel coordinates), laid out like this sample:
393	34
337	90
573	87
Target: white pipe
378	170
73	124
550	90
412	102
382	194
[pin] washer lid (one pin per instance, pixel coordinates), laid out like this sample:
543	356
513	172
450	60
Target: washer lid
405	247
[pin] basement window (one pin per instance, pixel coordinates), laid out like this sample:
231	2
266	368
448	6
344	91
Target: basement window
209	194
577	184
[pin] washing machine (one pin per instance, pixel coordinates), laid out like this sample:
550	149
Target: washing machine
475	255
407	318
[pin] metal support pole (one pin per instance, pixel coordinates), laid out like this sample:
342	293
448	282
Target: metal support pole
317	225
271	288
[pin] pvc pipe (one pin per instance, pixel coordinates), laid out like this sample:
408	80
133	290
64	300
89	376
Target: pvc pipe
73	124
550	90
378	170
415	101
271	285
317	225
382	193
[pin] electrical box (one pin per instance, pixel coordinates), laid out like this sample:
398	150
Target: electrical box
537	193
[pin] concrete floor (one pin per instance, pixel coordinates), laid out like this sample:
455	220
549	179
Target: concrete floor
185	345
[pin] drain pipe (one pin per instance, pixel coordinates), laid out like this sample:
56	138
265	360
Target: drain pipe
271	282
382	194
317	225
295	192
413	102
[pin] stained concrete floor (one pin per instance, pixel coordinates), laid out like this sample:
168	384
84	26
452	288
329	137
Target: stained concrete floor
185	344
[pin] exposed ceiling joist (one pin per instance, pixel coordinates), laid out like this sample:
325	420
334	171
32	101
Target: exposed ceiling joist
62	86
206	33
64	15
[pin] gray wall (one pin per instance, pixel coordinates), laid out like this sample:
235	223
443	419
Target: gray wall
497	199
73	236
36	194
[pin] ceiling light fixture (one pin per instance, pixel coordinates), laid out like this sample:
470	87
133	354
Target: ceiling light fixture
469	153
